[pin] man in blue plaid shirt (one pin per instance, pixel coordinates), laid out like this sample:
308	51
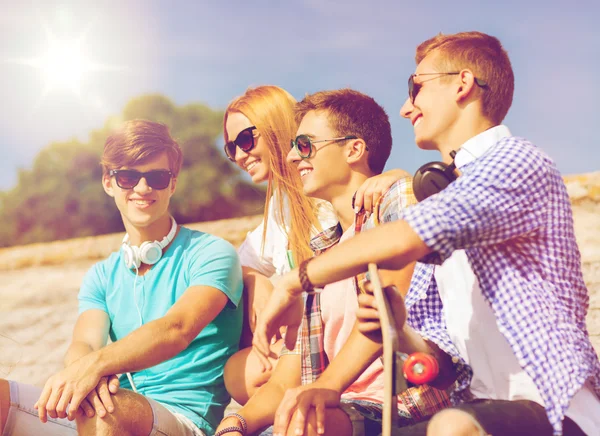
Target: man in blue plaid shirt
507	300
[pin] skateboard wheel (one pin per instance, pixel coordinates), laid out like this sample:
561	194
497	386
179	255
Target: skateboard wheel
420	368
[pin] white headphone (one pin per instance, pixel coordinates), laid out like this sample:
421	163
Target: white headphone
149	252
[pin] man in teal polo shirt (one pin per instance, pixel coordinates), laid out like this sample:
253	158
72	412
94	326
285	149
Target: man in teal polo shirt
169	301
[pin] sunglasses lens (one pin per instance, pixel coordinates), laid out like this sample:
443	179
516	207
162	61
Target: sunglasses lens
158	179
245	140
303	145
128	179
230	151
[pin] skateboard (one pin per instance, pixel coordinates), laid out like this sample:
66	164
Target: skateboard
417	368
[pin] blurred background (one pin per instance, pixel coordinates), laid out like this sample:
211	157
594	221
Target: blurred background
71	70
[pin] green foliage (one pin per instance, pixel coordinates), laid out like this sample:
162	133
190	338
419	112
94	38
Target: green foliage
61	196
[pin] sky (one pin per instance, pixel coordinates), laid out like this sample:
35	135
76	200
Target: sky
211	51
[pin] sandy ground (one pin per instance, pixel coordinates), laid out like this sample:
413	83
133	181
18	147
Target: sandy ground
38	305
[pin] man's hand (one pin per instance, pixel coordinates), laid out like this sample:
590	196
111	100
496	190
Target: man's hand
298	401
99	400
368	313
284	309
68	389
373	188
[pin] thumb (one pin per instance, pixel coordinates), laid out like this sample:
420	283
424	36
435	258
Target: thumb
113	384
291	336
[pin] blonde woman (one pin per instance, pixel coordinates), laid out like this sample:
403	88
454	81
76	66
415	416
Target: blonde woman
258	127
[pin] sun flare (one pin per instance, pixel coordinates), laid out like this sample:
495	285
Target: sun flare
64	66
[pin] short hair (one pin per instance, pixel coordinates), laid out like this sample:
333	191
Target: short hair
485	57
351	112
138	141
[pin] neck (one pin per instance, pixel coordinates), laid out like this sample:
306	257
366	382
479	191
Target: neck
154	232
463	130
342	201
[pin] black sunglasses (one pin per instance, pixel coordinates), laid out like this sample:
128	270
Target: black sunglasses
244	140
128	179
414	88
304	145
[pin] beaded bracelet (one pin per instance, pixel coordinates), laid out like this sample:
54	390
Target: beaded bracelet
241	419
229	429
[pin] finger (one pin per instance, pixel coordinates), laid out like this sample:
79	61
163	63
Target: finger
320	414
284	413
76	401
366	315
52	402
369	327
376	196
262	359
366	301
40	405
260	341
97	403
87	409
369	287
291	336
113	384
105	395
358	197
368	200
62	404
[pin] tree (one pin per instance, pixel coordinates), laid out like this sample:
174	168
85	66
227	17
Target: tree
61	195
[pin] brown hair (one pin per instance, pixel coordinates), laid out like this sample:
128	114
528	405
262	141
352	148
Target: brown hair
485	57
271	110
350	112
138	141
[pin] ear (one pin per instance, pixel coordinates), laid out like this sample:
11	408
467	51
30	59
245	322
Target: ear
356	150
107	185
466	86
173	185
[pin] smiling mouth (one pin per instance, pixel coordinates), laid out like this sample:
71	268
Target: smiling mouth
252	165
418	121
143	202
305	172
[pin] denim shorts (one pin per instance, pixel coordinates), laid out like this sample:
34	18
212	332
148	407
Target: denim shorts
23	419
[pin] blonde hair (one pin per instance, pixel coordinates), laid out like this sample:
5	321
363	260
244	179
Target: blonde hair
271	110
485	57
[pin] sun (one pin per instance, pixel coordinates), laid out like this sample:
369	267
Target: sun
64	66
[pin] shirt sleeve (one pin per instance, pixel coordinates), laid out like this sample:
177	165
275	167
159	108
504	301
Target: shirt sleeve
92	294
395	201
256	255
217	265
501	196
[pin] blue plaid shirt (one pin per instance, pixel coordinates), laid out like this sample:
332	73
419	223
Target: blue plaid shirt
511	214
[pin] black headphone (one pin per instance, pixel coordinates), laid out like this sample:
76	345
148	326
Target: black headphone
432	177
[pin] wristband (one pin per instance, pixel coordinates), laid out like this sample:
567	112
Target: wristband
230	429
241	419
305	282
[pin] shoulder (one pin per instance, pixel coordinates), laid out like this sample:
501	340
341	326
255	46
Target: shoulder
400	196
197	241
516	153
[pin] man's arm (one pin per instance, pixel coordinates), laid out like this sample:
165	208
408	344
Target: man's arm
149	345
260	410
340	262
89	334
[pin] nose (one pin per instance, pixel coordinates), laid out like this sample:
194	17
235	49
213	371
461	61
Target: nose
406	109
293	157
240	156
142	187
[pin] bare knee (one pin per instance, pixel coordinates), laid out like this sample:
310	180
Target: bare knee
132	416
337	423
4	403
244	374
452	422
